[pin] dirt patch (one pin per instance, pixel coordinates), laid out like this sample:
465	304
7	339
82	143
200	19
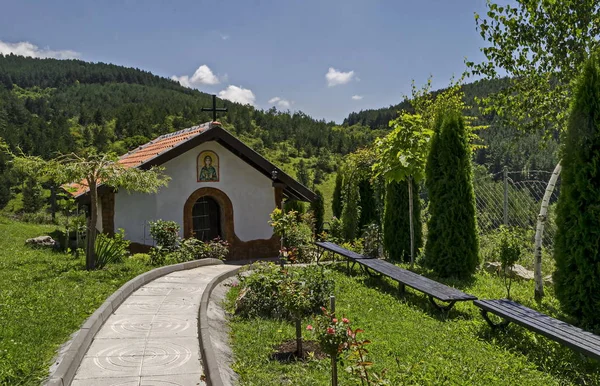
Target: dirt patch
286	351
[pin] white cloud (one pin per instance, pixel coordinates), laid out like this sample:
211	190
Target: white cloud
29	49
224	37
281	103
335	77
357	97
238	94
202	75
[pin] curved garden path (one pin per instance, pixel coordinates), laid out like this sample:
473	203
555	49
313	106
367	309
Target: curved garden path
152	337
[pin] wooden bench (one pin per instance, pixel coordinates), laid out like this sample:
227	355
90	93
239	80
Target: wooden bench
564	333
351	256
405	278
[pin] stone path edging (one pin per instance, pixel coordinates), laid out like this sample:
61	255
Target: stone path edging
65	371
207	353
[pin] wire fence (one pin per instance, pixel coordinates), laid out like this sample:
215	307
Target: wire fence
514	198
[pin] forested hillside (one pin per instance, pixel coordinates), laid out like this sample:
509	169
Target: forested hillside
504	146
50	106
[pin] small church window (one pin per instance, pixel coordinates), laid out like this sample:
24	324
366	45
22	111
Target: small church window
206	219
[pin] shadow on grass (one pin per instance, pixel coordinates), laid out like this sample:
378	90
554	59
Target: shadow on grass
547	355
388	286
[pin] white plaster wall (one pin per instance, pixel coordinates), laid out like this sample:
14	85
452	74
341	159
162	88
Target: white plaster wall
251	194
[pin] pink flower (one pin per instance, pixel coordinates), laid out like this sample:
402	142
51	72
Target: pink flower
330	331
334	320
345	320
309	327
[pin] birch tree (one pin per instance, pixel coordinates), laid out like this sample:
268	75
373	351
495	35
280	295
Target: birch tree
541	45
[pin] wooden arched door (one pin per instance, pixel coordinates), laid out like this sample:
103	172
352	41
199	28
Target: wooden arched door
206	219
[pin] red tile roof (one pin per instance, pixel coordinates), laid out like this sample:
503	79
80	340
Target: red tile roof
144	153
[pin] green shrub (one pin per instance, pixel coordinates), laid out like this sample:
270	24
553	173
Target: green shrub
143	258
452	247
371	241
396	221
165	234
508	252
260	290
577	245
296	232
110	250
194	249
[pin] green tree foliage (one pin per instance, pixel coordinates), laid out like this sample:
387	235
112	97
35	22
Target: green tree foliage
32	195
318	209
577	249
351	211
452	247
368	204
396	224
541	46
337	203
302	173
92	170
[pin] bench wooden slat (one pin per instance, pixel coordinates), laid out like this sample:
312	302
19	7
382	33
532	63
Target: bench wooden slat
545	324
551	328
332	247
420	283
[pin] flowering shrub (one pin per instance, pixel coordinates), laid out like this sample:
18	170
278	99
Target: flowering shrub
193	249
332	334
296	231
336	336
269	291
165	234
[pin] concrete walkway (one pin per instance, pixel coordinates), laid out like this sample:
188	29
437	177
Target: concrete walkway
152	338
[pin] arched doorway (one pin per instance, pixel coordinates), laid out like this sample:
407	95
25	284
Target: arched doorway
206	219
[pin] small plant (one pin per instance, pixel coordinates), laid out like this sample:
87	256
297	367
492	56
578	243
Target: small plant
110	250
165	234
336	230
509	252
216	249
142	258
296	231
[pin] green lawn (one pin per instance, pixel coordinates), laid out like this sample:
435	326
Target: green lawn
417	344
44	297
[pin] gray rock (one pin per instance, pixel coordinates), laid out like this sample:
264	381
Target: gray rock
519	272
492	266
42	241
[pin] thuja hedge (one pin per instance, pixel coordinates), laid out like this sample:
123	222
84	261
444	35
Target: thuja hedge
577	245
396	222
452	247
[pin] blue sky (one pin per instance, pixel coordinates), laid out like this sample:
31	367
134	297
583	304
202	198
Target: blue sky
259	50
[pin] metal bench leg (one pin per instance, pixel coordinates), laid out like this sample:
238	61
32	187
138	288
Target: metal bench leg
320	253
446	307
501	325
401	288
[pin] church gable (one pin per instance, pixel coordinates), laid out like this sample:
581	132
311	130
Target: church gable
219	188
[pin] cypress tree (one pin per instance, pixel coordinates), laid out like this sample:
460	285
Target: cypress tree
336	203
452	247
368	205
318	209
577	245
396	224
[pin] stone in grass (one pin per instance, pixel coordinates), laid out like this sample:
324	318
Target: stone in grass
42	241
515	272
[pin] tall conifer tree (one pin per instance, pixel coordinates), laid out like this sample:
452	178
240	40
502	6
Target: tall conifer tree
577	245
452	247
396	225
336	203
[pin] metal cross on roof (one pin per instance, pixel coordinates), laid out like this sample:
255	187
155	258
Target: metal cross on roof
214	108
